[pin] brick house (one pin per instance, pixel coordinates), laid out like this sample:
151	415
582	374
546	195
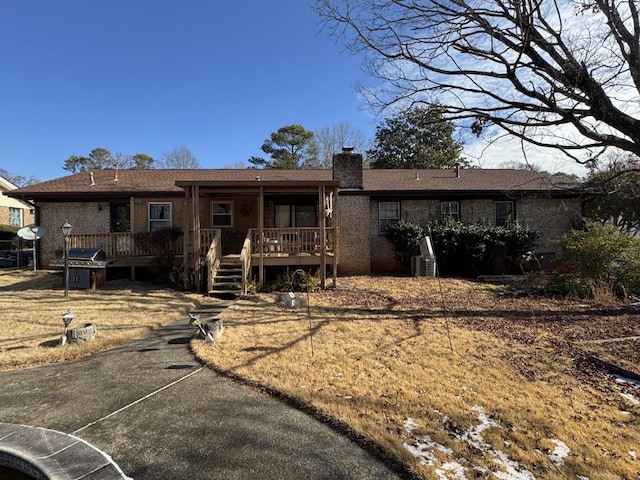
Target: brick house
13	212
330	220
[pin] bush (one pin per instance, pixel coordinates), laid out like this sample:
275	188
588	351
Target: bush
601	256
404	236
8	237
297	281
8	232
470	249
463	249
162	245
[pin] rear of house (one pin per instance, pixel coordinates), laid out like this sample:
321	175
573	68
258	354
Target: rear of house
272	220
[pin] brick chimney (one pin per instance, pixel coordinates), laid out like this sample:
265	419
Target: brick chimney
347	168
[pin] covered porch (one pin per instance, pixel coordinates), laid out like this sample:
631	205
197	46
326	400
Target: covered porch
262	225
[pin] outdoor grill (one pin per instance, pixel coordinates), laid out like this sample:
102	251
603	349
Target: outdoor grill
87	267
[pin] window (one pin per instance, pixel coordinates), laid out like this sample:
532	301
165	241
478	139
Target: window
388	213
15	217
120	216
222	214
504	213
296	216
450	210
159	216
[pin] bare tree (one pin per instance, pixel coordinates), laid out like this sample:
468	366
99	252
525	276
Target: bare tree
18	180
562	74
178	158
331	139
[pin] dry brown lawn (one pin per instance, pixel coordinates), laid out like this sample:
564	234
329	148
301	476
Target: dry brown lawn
478	385
32	304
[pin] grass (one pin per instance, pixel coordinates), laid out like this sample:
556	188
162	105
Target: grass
32	304
482	385
473	385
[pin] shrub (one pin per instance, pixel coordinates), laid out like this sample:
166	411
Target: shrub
8	232
8	237
469	249
404	236
463	249
600	256
297	281
162	245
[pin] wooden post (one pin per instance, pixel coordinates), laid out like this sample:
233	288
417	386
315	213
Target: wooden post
323	236
196	235
261	236
186	233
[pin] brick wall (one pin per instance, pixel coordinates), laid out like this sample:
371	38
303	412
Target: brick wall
84	217
354	237
347	169
549	217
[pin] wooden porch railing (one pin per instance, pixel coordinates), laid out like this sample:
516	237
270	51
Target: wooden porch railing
214	253
292	241
123	244
245	258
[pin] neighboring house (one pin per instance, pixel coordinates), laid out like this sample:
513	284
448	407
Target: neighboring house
13	212
332	220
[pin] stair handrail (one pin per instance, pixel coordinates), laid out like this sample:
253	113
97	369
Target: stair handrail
213	258
245	259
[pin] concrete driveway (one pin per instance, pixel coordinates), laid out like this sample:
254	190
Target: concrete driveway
158	414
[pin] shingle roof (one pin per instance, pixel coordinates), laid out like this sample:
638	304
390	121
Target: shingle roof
470	180
156	181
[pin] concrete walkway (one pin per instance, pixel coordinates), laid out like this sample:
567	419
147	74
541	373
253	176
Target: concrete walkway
160	415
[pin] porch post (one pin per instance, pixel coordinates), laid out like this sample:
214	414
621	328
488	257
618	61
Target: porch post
261	236
336	230
132	229
323	235
196	235
185	239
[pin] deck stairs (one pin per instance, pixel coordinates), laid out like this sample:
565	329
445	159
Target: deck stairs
228	280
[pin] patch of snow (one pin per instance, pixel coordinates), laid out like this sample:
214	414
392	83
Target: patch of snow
559	453
423	447
632	454
625	380
424	456
513	470
410	425
632	398
451	470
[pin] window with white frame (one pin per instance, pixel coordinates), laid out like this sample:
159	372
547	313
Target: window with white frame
450	210
15	217
388	213
159	216
222	214
504	213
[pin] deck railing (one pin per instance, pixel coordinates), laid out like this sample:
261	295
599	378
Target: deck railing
292	241
127	244
245	258
214	252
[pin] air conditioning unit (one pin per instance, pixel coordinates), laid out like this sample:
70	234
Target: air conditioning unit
423	268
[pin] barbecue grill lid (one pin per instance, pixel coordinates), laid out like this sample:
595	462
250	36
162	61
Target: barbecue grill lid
86	254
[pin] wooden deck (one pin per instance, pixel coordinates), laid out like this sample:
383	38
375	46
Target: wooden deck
268	247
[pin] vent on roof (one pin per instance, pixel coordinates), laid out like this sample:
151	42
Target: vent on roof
92	180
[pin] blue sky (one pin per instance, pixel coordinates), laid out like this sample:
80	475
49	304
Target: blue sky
153	75
149	76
